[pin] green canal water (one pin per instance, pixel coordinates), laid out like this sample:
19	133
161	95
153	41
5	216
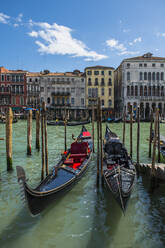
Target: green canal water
85	217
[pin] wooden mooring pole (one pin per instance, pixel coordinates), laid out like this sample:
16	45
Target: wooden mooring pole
9	121
65	121
124	117
158	139
150	138
42	141
131	123
46	139
153	178
101	146
138	136
38	130
93	134
98	139
29	133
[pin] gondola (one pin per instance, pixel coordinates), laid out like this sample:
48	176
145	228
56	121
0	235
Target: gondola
61	178
62	123
118	169
116	120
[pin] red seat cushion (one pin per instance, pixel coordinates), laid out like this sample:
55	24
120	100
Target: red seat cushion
86	134
78	155
75	166
77	148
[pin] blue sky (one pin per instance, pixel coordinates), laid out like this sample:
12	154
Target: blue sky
65	35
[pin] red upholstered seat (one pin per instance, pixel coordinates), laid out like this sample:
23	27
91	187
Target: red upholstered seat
79	148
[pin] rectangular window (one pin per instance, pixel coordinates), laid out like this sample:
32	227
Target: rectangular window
140	65
102	72
110	91
72	90
72	101
2	78
82	101
8	78
162	65
89	72
110	73
128	65
89	92
82	90
102	102
145	65
96	72
102	91
42	89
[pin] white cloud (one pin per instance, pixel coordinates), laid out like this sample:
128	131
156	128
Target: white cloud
57	39
139	39
160	34
19	17
114	44
122	50
126	30
16	25
4	18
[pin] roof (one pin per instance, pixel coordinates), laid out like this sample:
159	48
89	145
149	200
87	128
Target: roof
4	70
99	67
145	57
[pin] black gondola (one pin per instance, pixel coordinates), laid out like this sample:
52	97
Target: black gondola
62	177
62	123
118	169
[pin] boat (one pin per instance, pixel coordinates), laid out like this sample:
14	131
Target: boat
110	120
62	123
62	177
118	170
3	121
116	120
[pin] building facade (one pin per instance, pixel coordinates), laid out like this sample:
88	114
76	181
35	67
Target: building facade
100	83
13	91
140	81
63	90
33	89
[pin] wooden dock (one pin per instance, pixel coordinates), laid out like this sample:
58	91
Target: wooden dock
159	170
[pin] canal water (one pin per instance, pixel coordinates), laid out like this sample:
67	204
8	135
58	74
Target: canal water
85	217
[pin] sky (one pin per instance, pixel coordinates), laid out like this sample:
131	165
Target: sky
64	35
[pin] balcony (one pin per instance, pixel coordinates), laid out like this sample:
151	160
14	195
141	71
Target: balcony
60	104
60	93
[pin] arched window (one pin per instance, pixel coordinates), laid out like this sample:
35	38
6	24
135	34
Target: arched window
110	82
132	90
128	76
128	91
153	76
149	76
157	76
48	100
141	76
89	81
145	75
96	81
136	90
145	90
141	90
149	91
162	75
